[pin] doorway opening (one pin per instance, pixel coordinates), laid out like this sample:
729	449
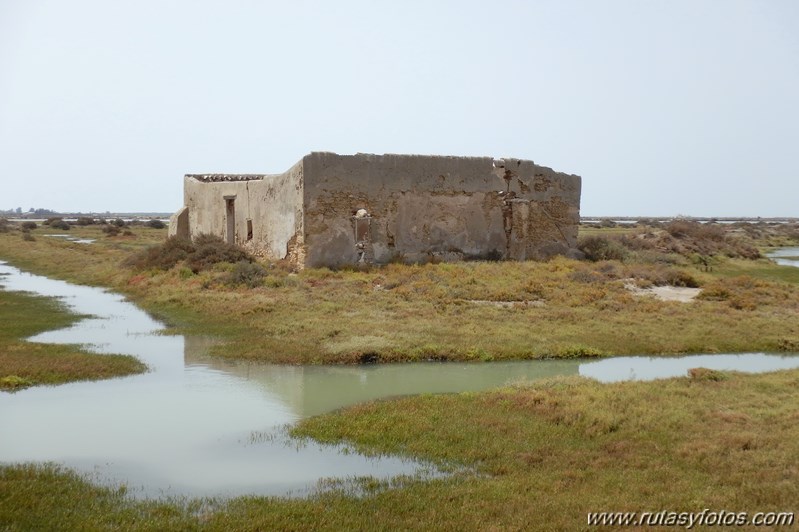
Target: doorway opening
230	218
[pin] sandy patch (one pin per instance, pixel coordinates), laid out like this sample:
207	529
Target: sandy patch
506	304
666	293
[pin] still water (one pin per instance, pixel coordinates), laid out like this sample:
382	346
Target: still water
71	238
199	426
785	256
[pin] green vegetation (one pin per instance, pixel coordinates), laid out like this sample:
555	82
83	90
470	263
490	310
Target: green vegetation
758	269
246	273
544	454
24	364
47	497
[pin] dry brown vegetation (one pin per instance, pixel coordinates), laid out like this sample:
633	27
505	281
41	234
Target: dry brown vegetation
200	254
457	311
689	239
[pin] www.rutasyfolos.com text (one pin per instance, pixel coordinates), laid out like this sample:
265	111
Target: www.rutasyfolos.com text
690	520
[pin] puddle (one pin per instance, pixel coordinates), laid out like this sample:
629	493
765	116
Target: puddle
200	426
75	239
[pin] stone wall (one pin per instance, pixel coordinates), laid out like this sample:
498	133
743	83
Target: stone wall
419	208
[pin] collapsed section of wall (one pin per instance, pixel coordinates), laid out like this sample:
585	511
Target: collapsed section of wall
379	208
179	223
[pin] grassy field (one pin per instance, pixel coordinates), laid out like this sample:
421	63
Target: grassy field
478	311
24	364
542	455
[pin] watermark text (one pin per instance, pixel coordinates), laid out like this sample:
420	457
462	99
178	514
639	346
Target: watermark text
689	520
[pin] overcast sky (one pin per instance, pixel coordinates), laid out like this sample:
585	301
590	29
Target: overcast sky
663	107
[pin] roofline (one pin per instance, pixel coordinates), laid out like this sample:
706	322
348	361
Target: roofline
212	178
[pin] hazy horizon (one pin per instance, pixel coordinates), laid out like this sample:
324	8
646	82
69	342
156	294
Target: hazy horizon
664	108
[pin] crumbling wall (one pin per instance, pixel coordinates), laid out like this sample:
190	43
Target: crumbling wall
378	208
266	209
275	209
544	208
331	210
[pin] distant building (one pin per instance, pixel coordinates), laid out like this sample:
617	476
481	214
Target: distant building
333	210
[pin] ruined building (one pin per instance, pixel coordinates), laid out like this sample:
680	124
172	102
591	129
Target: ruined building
332	210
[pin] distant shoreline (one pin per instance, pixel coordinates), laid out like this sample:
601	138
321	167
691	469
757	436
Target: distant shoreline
583	219
72	216
720	219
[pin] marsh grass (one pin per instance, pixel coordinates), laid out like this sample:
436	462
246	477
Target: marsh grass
535	456
24	364
49	497
478	311
716	439
758	269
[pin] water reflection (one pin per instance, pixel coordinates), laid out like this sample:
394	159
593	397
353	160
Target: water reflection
311	390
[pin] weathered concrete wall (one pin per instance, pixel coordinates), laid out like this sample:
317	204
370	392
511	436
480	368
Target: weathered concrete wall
421	207
206	204
275	208
331	210
267	209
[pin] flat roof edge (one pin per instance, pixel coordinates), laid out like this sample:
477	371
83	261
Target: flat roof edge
213	178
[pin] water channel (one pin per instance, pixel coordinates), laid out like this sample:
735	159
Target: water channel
785	256
199	426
